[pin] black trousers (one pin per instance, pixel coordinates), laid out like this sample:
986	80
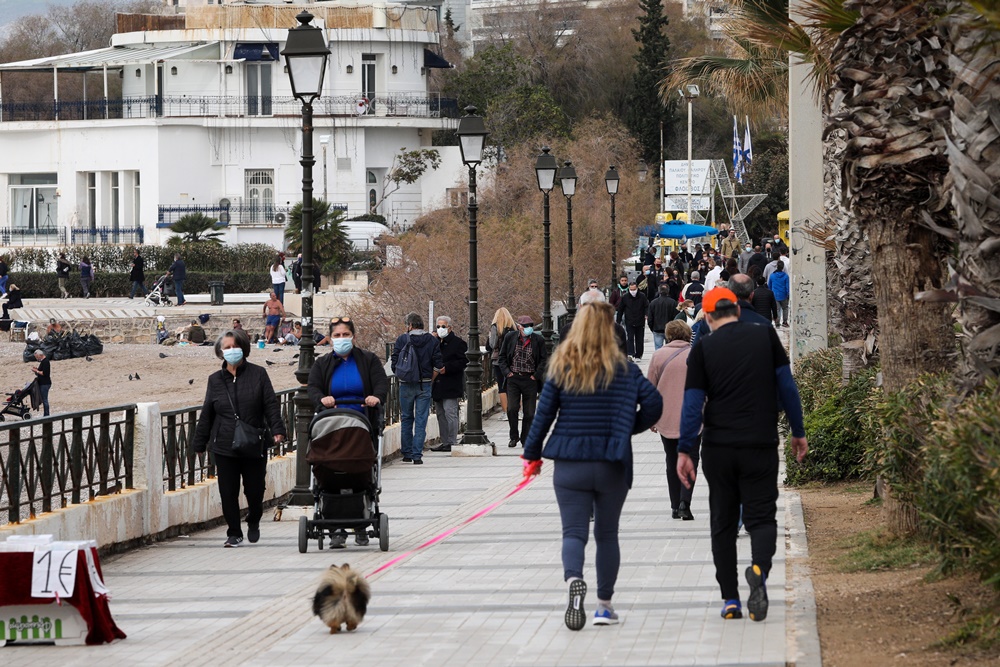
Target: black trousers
230	469
677	490
634	338
747	476
521	389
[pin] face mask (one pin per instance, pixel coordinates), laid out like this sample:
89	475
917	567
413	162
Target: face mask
233	355
442	332
748	248
528	331
633	292
343	345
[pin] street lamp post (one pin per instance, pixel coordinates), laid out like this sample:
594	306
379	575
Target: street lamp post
471	140
546	167
567	182
611	181
690	93
306	54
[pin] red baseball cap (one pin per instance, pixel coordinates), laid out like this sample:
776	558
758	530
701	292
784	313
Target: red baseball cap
714	296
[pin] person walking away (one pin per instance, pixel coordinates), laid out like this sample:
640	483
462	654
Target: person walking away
668	371
662	310
238	391
502	323
757	260
693	290
63	269
736	380
137	274
522	361
764	303
655	275
4	275
593	401
633	308
778	284
273	312
615	295
86	276
772	265
448	386
297	274
43	378
421	363
178	273
742	286
278	278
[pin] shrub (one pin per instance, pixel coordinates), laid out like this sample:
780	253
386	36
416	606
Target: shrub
204	257
45	285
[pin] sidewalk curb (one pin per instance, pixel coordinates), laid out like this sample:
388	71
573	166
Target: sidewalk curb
801	633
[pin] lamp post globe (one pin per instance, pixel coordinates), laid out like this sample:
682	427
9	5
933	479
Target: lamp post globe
546	167
611	181
567	183
642	171
306	54
472	141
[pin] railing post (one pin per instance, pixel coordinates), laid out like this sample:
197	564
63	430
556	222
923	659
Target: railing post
170	453
76	459
192	422
14	476
45	474
103	454
128	447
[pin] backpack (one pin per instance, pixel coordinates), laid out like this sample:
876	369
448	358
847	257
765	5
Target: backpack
407	363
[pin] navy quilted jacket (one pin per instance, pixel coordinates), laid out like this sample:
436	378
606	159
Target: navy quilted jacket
594	427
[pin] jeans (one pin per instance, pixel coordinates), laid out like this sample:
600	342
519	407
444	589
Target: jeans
414	408
447	416
229	470
783	312
138	287
279	291
179	291
44	389
747	475
62	288
583	487
85	285
634	338
675	487
3	284
658	340
521	389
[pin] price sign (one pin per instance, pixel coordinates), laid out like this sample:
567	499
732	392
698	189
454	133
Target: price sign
53	573
95	578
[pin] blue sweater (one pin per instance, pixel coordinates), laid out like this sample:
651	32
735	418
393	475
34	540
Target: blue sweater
778	282
594	427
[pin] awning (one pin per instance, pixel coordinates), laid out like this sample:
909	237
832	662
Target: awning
112	58
432	59
255	51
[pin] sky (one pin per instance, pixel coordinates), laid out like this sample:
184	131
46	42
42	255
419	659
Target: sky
11	10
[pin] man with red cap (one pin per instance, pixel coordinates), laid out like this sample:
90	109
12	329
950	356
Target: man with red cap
737	380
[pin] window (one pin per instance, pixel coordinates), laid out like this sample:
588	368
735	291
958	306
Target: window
258	81
259	196
458	197
92	200
115	199
33	203
368	82
371	177
135	200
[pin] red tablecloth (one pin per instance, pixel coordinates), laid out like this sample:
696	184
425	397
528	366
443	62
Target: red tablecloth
15	589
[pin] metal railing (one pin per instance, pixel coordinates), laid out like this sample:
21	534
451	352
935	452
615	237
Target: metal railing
32	237
52	462
183	467
234	214
401	104
106	236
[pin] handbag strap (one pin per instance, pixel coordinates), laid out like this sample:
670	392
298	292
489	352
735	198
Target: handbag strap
231	404
671	357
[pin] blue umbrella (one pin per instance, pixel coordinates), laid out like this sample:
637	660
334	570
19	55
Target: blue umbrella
682	230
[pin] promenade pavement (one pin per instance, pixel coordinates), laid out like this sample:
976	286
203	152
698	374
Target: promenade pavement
490	594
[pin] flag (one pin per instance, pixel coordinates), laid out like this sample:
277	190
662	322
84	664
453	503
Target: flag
747	150
737	153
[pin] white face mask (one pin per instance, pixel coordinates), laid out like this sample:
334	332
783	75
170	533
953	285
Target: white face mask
442	332
633	292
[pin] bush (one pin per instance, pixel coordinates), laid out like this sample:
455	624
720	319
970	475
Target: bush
201	257
46	286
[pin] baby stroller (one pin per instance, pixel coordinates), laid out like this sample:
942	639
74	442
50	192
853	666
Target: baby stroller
15	404
345	454
158	295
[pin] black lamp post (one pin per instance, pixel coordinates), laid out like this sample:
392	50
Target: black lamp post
471	140
567	182
545	171
611	180
306	54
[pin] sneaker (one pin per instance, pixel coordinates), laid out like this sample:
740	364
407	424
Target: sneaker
338	540
732	609
757	602
503	416
418	462
605	616
441	448
361	537
675	514
233	542
253	534
576	617
685	511
407	459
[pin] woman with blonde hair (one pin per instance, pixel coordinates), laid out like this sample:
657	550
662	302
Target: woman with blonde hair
502	323
591	394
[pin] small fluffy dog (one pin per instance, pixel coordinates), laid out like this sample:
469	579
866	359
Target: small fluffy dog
342	598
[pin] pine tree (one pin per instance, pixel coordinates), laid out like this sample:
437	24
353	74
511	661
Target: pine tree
645	110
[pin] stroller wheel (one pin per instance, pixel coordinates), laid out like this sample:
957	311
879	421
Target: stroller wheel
383	532
26	416
1	418
320	545
303	534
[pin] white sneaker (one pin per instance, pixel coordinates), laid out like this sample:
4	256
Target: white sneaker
503	416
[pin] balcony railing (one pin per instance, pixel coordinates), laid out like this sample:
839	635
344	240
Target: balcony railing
107	236
32	237
407	105
234	214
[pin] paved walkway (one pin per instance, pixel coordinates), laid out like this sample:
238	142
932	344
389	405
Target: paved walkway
491	594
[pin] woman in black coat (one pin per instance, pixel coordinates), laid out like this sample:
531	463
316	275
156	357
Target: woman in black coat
241	389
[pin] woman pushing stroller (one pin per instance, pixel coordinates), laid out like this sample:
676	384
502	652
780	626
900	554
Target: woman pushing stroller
349	373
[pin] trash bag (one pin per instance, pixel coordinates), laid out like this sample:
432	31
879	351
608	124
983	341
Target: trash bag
93	344
29	351
77	346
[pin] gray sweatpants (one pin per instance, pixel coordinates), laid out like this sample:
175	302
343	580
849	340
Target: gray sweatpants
447	416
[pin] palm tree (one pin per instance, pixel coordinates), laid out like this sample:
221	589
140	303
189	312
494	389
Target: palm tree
195	228
331	247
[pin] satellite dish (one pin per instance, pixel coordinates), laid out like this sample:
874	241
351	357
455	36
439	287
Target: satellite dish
279	218
224	203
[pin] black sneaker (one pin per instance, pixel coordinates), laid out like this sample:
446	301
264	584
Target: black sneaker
418	462
233	542
576	617
407	459
685	511
757	602
338	540
675	514
253	534
361	538
512	443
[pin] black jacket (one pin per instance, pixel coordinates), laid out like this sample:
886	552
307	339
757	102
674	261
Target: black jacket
538	353
764	303
759	260
63	268
634	308
178	270
426	347
252	394
451	383
137	274
662	309
373	376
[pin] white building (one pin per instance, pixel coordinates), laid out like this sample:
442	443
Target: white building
205	121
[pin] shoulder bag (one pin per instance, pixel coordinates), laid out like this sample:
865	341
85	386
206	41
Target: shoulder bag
248	440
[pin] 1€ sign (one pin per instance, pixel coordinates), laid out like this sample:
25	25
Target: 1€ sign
53	573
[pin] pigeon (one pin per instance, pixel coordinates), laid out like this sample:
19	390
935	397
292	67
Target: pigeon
89	358
277	349
137	377
292	363
269	362
130	377
190	381
163	356
295	356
